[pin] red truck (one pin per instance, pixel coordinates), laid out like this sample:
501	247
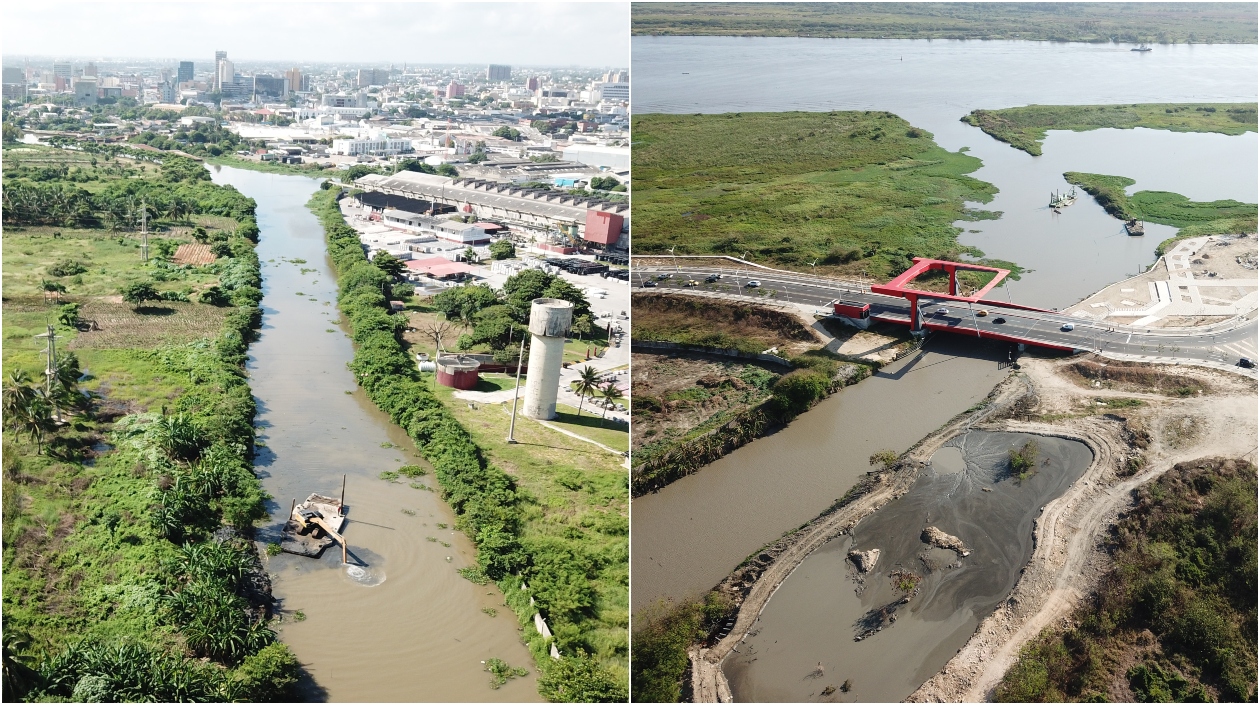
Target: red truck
851	309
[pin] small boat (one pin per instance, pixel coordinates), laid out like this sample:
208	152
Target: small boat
1143	47
1134	227
314	525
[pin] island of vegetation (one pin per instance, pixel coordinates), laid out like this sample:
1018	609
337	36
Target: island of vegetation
1195	218
1163	23
551	534
1175	619
843	192
130	573
1025	127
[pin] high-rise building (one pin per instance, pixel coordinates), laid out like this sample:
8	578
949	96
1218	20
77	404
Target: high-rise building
454	90
295	79
532	84
224	75
372	77
85	90
62	70
219	56
185	71
617	77
90	69
14	83
498	72
271	86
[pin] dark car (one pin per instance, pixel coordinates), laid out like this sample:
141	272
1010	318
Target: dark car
711	278
999	320
1245	362
649	284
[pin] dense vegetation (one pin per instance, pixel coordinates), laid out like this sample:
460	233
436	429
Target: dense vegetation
128	570
565	579
1173	22
849	191
1025	127
41	189
1193	217
1175	619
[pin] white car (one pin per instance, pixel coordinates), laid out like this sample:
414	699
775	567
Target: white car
1067	327
942	312
753	284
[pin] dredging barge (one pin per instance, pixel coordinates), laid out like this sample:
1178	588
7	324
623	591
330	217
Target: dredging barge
315	524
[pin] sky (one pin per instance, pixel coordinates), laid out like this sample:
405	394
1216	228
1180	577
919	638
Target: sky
516	33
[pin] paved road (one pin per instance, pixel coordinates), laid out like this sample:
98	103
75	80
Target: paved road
1222	345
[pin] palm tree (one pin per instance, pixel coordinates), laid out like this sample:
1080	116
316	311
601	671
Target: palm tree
17	396
587	383
611	394
36	418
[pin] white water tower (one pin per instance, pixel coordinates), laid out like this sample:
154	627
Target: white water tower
549	321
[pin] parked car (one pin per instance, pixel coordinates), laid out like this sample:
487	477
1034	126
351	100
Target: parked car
1245	362
649	284
691	282
1067	327
942	312
753	284
663	277
982	313
711	278
999	321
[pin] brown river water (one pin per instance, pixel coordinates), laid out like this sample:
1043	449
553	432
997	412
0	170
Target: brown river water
690	535
815	616
398	623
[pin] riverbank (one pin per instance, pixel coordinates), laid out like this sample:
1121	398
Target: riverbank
1100	23
129	573
1025	128
545	560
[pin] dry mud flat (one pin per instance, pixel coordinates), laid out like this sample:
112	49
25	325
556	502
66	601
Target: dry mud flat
1067	557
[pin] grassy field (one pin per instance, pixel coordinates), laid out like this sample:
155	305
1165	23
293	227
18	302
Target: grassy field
1025	127
591	425
1193	217
852	191
1174	618
1173	22
312	170
747	328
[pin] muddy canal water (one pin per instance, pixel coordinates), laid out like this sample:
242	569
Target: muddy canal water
692	533
804	640
399	624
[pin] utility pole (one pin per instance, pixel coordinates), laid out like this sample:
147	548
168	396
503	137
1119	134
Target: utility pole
144	231
516	393
50	368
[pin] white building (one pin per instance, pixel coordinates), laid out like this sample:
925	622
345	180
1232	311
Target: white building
449	230
615	158
611	92
379	143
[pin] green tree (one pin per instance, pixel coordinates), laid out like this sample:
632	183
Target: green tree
580	679
463	303
68	315
469	254
611	395
389	264
582	325
140	292
502	249
587	383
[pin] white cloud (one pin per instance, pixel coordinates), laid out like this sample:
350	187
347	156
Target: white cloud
519	33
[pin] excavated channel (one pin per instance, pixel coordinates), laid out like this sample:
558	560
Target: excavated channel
397	624
890	629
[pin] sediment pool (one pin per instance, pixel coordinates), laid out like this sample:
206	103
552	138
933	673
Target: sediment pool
692	533
804	640
399	624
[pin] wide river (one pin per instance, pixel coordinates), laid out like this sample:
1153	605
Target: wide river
932	84
399	624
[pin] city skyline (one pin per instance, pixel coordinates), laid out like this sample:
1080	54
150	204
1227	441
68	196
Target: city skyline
423	33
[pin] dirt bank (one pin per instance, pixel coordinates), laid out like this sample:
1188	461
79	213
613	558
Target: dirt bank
1069	556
